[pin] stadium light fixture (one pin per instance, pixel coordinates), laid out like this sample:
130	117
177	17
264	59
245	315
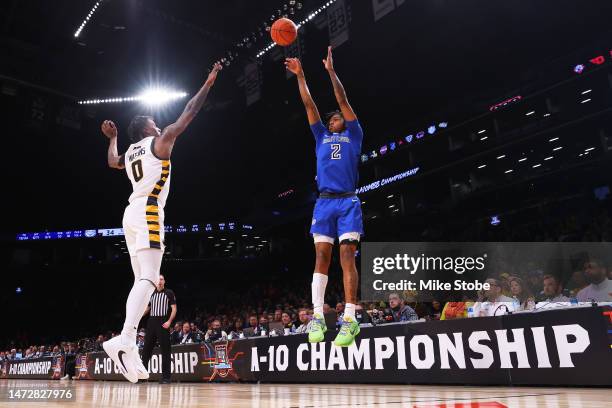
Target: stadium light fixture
482	166
501	157
522	160
553	139
151	97
87	18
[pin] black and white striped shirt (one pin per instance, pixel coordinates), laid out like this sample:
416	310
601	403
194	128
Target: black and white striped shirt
160	303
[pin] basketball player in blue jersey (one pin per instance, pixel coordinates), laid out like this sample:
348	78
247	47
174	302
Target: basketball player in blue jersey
337	212
147	164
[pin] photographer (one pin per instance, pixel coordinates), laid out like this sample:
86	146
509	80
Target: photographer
215	333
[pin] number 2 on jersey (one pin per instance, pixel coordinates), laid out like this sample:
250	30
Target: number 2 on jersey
137	170
335	154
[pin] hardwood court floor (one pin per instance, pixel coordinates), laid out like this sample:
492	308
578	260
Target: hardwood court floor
124	395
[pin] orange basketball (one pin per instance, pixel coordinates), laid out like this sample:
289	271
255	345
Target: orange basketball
283	32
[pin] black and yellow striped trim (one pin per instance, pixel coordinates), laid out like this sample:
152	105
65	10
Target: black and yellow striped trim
152	209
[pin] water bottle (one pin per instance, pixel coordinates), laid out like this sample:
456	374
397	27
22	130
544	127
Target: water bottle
516	304
574	301
470	311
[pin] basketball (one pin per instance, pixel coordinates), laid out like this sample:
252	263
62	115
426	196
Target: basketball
283	32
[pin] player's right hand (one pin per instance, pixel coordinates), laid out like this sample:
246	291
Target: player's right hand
294	65
109	129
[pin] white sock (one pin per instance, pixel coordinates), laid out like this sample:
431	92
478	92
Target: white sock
149	261
319	282
349	310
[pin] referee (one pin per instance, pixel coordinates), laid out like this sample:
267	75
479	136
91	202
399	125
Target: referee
162	309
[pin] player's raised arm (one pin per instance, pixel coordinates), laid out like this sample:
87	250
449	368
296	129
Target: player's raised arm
294	65
114	160
345	106
163	146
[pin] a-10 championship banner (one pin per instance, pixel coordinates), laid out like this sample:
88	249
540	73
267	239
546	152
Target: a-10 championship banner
561	347
46	368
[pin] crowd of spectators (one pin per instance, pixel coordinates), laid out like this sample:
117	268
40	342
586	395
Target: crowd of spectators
280	308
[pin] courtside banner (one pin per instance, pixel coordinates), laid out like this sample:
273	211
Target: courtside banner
189	362
560	347
460	271
44	368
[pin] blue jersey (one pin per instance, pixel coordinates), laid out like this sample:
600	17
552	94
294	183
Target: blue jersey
338	157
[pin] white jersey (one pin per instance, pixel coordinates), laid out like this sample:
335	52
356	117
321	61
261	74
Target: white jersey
150	175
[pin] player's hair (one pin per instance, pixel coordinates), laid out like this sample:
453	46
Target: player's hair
136	128
329	115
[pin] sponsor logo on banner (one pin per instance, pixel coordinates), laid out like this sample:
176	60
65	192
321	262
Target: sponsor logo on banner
222	364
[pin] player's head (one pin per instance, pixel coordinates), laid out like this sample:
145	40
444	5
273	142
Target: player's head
141	127
335	122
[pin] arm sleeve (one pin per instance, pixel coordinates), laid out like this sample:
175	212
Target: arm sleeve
318	130
171	297
354	128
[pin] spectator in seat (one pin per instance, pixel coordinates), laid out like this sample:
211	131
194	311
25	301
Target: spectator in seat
399	310
253	324
287	323
237	329
98	343
215	333
339	308
600	287
186	335
492	302
278	315
551	288
326	308
140	339
435	310
520	292
263	325
305	321
455	310
175	334
577	283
